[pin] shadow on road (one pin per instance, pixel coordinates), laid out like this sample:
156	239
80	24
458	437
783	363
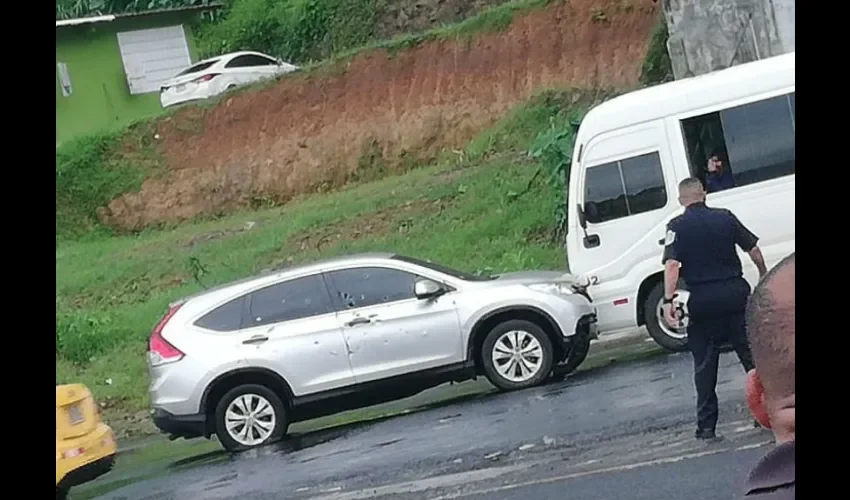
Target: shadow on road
301	441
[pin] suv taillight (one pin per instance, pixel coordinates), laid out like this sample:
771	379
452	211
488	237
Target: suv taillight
160	352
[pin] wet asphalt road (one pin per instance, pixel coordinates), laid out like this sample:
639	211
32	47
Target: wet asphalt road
552	437
718	476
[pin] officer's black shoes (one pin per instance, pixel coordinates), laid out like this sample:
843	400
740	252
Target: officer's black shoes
707	435
756	424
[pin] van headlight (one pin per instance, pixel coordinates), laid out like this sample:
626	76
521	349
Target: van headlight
555	288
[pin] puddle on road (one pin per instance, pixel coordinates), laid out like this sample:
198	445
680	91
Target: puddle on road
288	445
387	443
449	418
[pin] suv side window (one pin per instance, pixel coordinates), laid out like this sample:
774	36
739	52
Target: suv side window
247	61
624	187
368	286
225	318
290	300
755	141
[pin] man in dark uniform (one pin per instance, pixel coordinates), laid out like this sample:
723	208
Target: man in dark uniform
771	387
700	247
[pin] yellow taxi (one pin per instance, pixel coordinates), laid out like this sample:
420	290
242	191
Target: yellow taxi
85	446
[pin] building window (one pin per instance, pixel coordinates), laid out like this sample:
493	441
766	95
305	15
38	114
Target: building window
754	142
624	187
152	56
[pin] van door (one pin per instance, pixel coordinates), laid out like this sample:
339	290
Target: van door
627	192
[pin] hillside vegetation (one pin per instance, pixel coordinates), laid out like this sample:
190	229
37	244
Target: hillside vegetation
301	31
377	111
487	208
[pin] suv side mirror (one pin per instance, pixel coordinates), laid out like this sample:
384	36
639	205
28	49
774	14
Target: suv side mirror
426	289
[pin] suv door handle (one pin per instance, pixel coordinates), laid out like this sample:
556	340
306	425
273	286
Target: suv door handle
257	339
360	320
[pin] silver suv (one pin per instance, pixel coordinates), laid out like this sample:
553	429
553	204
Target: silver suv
245	360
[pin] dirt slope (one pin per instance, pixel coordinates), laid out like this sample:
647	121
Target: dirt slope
379	111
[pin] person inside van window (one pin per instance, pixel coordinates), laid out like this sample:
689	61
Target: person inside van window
718	175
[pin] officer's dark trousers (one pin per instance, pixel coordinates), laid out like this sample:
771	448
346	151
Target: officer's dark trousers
716	318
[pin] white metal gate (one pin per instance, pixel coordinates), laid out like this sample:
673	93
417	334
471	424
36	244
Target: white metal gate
152	56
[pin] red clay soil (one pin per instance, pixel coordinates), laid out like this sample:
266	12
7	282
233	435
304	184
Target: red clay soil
314	129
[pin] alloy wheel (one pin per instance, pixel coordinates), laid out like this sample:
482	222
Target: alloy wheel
517	356
250	419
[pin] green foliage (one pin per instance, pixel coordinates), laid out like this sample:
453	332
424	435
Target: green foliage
302	31
89	174
294	30
492	19
553	149
657	67
81	337
70	9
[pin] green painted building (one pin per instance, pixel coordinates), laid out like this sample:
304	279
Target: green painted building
109	68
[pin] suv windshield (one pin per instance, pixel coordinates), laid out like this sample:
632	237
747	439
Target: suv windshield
443	269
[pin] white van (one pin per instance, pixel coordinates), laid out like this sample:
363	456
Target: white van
632	151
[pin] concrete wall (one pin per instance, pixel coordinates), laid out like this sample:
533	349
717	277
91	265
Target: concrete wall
707	35
100	99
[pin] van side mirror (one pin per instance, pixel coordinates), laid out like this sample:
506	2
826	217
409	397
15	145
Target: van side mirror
427	289
590	240
582	221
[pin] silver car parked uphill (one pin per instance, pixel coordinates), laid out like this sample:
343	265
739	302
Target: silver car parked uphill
245	360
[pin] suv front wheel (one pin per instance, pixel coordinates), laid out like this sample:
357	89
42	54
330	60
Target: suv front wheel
248	416
517	354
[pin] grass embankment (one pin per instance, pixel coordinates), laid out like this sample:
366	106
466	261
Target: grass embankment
92	170
484	209
305	31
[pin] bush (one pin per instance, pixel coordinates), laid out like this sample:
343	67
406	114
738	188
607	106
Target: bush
294	30
80	337
657	67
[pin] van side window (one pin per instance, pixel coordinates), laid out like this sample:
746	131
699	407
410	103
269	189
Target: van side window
755	143
624	187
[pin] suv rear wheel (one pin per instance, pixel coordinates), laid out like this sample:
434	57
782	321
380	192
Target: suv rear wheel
248	416
516	354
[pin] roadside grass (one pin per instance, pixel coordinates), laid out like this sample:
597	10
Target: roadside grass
484	211
157	456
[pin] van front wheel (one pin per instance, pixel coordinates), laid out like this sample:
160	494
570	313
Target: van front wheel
672	339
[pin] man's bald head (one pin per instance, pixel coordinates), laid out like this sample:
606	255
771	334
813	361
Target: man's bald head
770	329
691	191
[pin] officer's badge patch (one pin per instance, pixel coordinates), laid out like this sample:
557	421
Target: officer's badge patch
669	238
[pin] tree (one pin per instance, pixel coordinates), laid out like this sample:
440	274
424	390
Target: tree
71	9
